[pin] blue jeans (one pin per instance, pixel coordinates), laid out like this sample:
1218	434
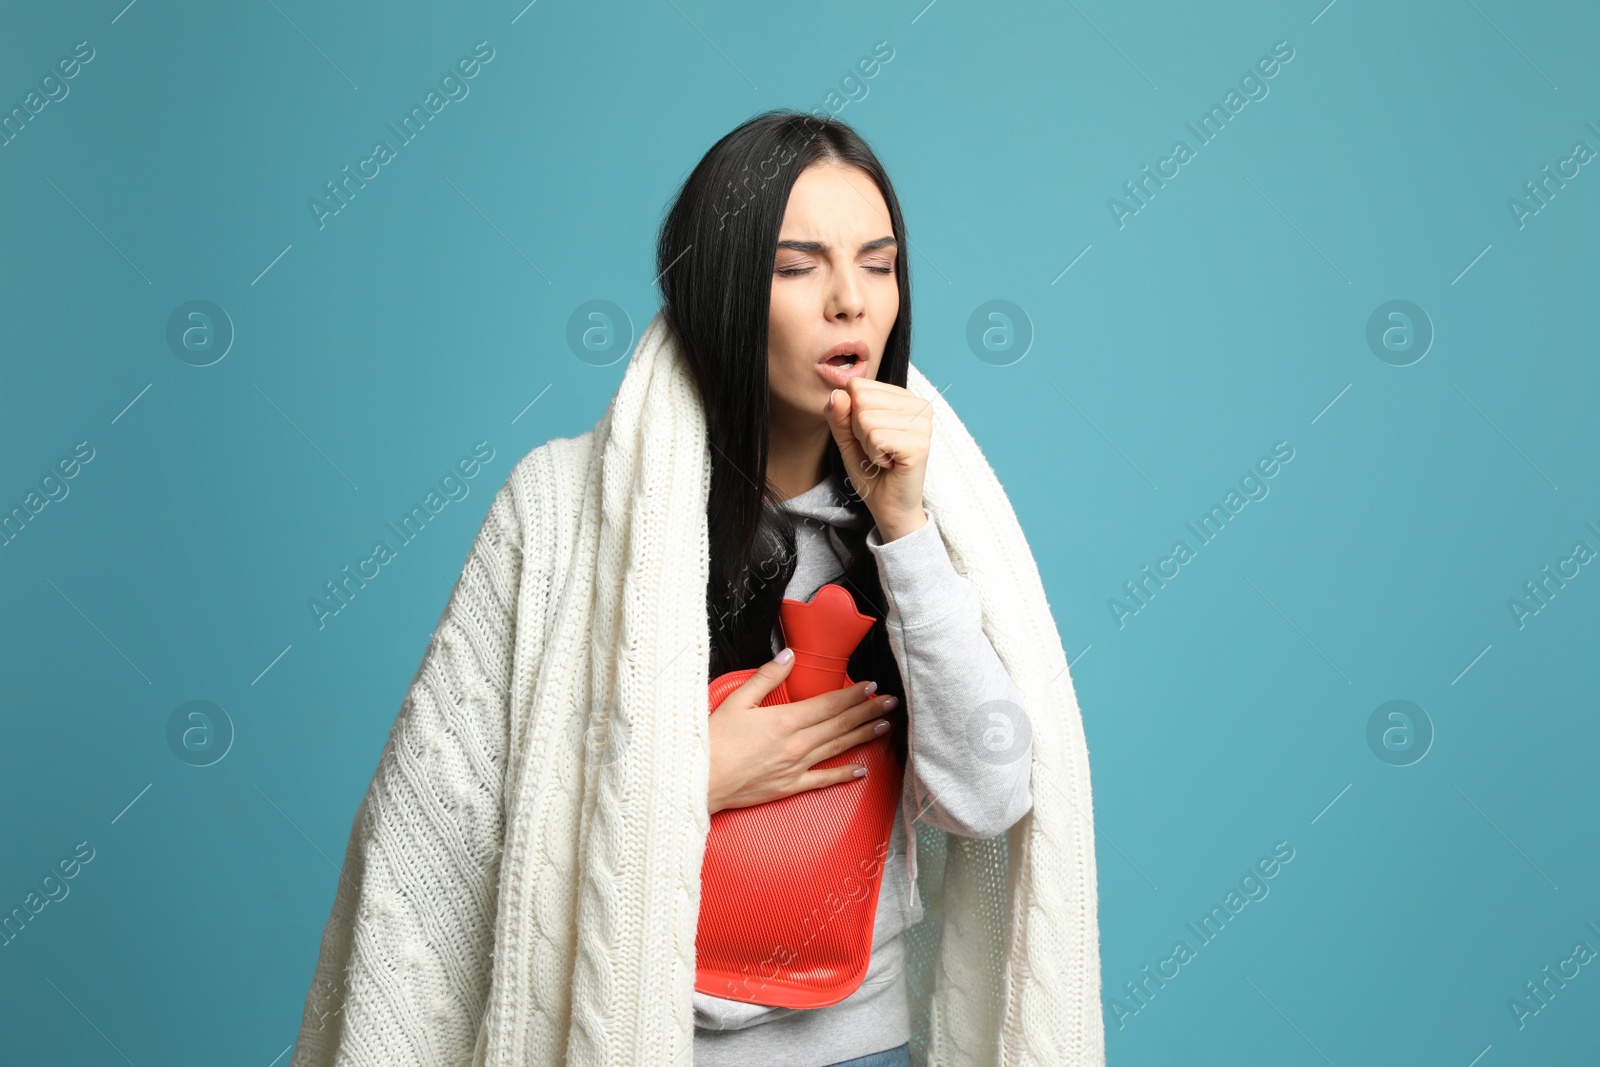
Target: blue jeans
899	1056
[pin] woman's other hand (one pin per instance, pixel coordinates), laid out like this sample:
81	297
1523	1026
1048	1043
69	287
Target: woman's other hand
884	434
764	753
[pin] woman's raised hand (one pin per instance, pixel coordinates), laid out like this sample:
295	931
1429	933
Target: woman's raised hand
884	433
764	753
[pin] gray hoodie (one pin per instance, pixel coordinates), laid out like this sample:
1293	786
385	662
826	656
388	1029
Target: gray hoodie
969	754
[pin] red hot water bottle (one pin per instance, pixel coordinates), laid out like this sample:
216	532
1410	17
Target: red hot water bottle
789	888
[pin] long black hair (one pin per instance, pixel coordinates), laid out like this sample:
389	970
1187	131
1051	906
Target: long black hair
714	260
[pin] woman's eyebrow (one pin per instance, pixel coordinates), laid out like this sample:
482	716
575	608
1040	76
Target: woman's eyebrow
819	246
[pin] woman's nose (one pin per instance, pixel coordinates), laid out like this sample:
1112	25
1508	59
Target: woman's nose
844	295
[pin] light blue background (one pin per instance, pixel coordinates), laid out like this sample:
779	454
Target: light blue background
1229	314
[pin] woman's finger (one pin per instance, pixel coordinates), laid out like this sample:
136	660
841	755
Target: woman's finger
756	688
814	713
850	729
848	772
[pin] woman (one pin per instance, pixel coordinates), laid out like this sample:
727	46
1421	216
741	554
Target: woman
509	899
843	447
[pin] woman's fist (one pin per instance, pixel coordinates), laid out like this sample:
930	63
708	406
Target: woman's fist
884	433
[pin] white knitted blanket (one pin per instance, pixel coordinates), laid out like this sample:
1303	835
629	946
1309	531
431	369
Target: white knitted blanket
522	880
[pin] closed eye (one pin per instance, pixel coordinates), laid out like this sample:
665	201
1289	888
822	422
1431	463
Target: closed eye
795	272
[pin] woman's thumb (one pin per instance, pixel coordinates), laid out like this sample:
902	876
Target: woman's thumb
767	677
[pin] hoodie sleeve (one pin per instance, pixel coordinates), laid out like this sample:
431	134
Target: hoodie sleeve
402	975
969	749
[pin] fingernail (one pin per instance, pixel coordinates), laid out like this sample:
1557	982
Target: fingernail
890	703
871	687
861	772
830	399
784	657
881	728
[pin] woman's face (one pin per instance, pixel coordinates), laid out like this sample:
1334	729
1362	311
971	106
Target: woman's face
833	285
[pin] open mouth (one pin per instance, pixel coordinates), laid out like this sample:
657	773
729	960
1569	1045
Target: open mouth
845	354
842	362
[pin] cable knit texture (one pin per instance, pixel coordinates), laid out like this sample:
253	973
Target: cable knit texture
522	880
